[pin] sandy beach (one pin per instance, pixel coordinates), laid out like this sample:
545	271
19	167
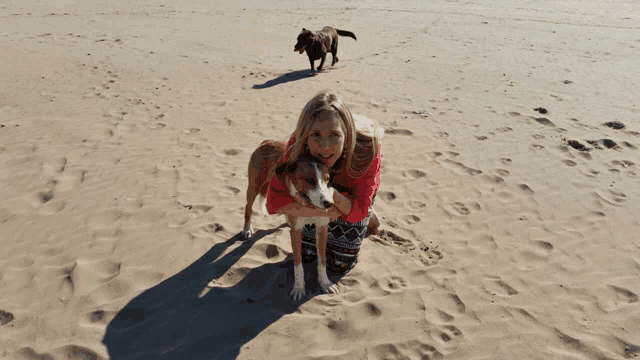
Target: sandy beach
510	195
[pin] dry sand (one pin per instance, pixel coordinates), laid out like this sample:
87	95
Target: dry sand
126	128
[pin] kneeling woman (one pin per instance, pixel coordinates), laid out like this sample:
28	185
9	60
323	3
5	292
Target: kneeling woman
326	129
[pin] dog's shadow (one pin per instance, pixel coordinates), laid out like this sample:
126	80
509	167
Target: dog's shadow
288	77
184	318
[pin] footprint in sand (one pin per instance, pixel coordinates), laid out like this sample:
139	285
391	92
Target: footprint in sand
533	256
5	317
416	205
492	179
616	297
389	238
70	351
394	283
461	168
415	173
157	126
615	125
526	189
449	334
460	209
395	131
484	242
231	152
86	275
623	163
386	196
409	219
191	131
498	287
99	318
544	121
54	167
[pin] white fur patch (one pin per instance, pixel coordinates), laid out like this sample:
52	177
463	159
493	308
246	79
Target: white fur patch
312	220
321	192
262	203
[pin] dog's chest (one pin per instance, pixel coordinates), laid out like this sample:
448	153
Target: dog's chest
312	220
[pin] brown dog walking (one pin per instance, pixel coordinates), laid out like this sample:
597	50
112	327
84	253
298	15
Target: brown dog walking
317	44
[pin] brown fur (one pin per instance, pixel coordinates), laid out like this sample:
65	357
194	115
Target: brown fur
317	44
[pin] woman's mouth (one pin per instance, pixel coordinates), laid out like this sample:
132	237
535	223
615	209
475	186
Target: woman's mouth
325	159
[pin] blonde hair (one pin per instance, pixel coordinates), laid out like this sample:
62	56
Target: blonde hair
360	147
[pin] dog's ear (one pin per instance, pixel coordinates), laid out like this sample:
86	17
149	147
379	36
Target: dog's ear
286	168
324	47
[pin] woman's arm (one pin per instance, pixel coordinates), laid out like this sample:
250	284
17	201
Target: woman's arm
364	189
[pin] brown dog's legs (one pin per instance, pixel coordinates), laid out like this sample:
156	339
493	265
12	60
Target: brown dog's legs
334	52
311	62
322	61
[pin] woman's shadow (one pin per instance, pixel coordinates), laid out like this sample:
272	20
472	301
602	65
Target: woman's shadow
184	318
292	76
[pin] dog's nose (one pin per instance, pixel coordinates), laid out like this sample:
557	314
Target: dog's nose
327	204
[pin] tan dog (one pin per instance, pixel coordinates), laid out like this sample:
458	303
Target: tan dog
318	43
307	180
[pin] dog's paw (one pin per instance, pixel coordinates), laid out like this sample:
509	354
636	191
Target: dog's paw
246	233
329	287
297	293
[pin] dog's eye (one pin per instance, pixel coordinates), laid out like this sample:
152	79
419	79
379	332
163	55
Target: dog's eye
311	181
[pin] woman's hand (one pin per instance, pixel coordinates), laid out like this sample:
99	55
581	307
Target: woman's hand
341	202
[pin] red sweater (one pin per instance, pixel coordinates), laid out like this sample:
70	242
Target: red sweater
361	195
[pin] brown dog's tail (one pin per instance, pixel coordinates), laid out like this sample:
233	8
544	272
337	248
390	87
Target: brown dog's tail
346	33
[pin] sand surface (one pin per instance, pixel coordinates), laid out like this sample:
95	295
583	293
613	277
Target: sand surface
126	129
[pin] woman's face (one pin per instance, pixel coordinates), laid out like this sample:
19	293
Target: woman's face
326	140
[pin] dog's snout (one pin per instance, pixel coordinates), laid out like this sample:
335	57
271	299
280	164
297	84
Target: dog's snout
327	204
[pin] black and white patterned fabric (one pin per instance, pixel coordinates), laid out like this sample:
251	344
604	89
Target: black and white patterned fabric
343	244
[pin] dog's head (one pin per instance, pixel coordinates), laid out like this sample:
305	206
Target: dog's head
308	179
304	39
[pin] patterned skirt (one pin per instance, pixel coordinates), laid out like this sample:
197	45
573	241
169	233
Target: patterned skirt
343	244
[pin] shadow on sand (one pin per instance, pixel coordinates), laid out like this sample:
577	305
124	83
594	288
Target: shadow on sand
292	76
173	320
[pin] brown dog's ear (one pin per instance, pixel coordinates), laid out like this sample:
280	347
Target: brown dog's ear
324	47
285	168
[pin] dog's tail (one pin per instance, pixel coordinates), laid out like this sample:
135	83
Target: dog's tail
346	33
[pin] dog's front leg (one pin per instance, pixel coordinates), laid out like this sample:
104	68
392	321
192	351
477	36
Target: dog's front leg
312	66
296	237
321	247
322	61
